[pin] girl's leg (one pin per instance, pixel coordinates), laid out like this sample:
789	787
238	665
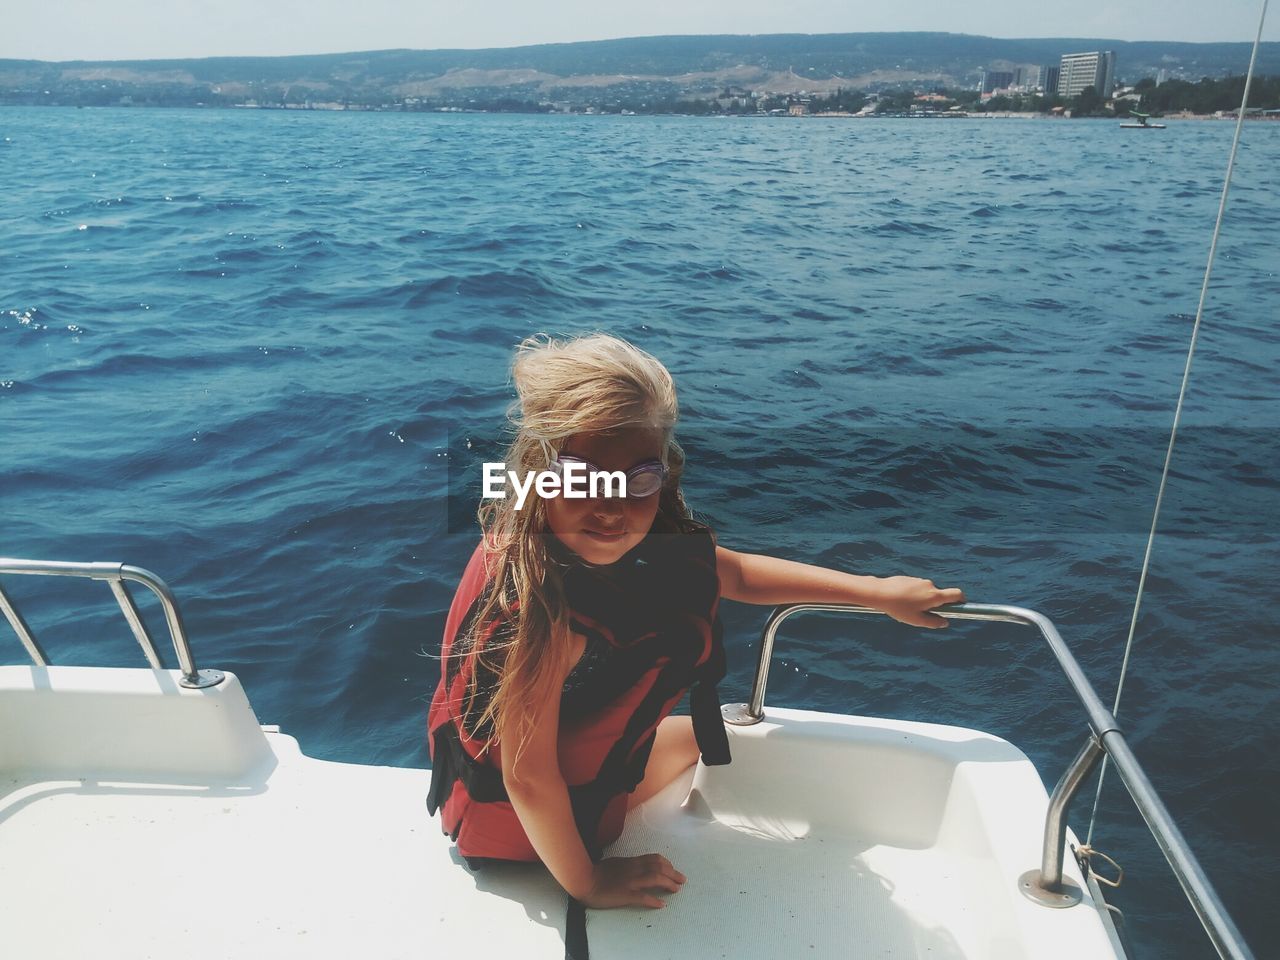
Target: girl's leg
674	750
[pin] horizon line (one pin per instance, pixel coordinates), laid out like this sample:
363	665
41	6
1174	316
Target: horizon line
664	36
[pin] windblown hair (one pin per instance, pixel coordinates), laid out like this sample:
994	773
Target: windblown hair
590	384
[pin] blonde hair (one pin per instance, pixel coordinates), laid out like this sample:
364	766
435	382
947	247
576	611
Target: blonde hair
590	384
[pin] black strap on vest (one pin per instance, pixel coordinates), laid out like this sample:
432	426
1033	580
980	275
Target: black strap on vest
575	932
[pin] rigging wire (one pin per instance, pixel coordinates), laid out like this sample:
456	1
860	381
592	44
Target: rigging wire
1177	415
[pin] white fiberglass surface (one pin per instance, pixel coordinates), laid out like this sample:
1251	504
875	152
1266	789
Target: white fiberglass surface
851	837
828	836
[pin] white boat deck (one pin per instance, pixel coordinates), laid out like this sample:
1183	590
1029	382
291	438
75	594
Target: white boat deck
141	819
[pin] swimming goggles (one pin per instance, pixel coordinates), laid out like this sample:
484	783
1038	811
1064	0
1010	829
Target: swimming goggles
643	480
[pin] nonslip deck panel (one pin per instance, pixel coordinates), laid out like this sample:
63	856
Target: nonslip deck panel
763	885
320	861
827	836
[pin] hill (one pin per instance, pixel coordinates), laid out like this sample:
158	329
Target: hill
596	72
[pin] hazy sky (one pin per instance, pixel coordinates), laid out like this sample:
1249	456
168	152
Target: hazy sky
138	29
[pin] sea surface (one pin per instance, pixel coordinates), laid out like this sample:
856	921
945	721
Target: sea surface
261	353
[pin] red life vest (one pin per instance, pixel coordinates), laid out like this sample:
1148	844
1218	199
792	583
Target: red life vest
652	633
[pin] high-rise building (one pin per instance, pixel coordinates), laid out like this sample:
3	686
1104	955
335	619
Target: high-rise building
1049	79
996	80
1080	70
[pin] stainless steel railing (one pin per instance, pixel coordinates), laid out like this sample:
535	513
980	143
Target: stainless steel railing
1046	885
115	574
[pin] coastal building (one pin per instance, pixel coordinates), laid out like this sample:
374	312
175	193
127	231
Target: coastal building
1049	76
1026	79
996	80
735	98
1080	70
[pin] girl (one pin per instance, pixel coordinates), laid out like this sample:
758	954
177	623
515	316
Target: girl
580	623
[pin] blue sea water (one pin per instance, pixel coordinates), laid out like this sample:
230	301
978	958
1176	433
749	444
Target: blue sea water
261	353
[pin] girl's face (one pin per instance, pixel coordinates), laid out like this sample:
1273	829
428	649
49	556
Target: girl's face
602	529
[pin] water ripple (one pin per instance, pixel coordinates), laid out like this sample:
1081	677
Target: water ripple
257	352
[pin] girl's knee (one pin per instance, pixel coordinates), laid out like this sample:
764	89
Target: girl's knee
675	749
676	737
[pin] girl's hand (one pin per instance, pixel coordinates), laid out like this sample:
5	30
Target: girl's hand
907	598
632	882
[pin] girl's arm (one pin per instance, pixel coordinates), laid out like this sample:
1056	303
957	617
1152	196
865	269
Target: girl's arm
541	800
754	578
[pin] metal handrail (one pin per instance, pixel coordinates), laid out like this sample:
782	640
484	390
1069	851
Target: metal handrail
1046	885
115	574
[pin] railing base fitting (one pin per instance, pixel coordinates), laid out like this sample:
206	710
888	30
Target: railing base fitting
1067	893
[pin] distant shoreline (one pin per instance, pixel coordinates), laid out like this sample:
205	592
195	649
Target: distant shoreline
695	75
274	108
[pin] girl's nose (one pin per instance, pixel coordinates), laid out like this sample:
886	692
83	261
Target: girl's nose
605	507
